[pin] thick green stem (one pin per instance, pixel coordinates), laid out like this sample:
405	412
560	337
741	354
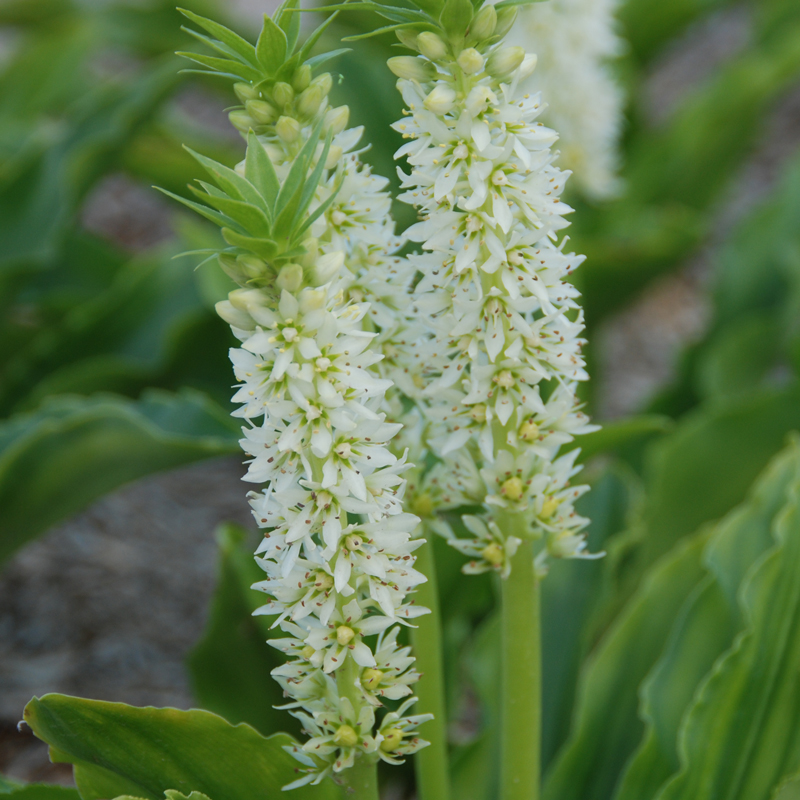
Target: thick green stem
521	707
361	780
433	780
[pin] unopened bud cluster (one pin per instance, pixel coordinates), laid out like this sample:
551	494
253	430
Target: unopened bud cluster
502	355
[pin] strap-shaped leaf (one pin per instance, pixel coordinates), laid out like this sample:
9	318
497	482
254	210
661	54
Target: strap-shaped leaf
230	181
251	218
292	188
456	17
321	208
259	170
312	182
212	43
225	35
271	46
265	248
204	211
323	58
227	65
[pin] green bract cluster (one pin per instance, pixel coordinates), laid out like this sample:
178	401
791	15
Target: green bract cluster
273	80
265	221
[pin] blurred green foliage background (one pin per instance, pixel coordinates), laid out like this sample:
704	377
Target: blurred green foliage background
113	367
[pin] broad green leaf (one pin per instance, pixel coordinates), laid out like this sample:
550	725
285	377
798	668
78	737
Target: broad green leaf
55	461
740	737
9	785
705	628
251	218
118	749
37	791
788	790
606	729
258	169
622	437
230	666
455	18
702	469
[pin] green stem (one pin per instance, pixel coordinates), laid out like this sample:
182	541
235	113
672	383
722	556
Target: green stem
361	780
521	707
430	763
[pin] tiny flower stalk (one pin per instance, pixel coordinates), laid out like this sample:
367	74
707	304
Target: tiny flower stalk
309	241
501	356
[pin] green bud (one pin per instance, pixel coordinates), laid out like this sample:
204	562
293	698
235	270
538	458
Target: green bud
505	21
261	111
324	82
431	46
407	38
252	266
392	739
241	120
346	736
290	277
412	68
470	60
245	91
440	100
288	129
327	267
503	61
310	101
337	118
232	268
283	94
484	24
301	78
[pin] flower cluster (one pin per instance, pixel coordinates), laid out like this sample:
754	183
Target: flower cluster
309	241
503	354
574	41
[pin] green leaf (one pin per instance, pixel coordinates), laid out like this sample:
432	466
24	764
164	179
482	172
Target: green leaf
260	172
271	46
251	218
118	749
455	18
230	181
705	628
55	461
230	666
740	737
227	37
265	248
616	437
225	66
289	22
37	791
204	211
702	469
606	728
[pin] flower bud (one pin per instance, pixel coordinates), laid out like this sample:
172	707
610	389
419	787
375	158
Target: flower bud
232	268
261	111
407	38
235	317
245	92
528	66
423	505
503	61
334	156
470	60
440	100
431	45
336	119
327	267
506	18
283	94
290	277
288	129
483	24
252	266
301	78
412	68
324	82
241	120
310	101
311	300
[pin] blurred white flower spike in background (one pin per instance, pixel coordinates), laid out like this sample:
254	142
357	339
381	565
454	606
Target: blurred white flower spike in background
575	41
